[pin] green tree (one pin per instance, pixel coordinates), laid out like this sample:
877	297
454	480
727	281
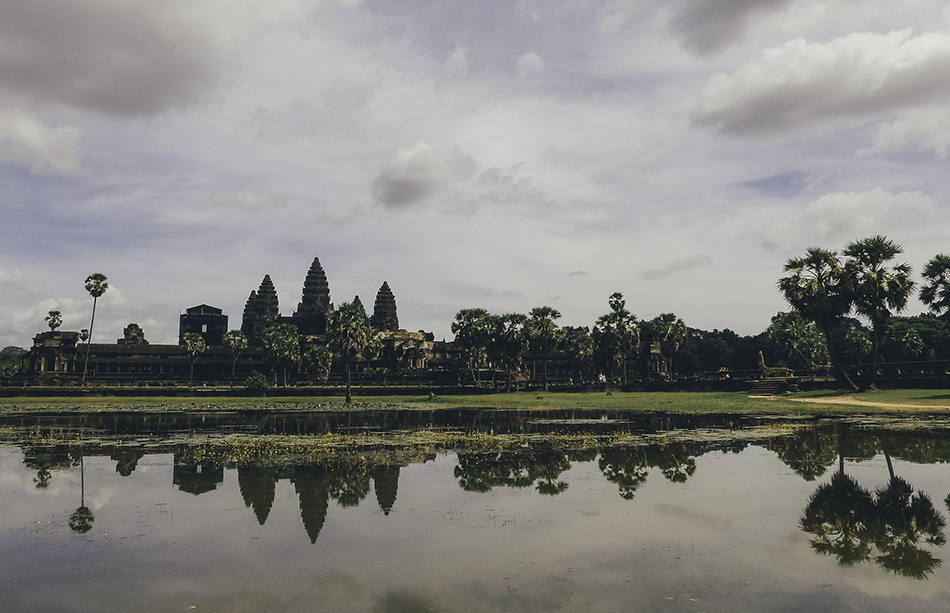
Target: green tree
472	330
508	341
858	344
877	287
817	287
579	345
10	357
936	290
54	319
256	384
616	335
195	345
543	335
282	344
96	286
318	360
669	332
798	340
351	336
236	342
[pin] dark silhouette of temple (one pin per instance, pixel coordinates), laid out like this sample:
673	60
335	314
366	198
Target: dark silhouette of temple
310	318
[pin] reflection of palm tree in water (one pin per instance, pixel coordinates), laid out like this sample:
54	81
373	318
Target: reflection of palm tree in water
81	519
851	523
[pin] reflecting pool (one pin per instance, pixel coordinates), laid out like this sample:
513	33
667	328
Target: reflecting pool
471	511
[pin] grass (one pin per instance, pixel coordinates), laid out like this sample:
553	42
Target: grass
687	402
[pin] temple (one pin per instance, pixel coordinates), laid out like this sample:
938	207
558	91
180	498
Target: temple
60	357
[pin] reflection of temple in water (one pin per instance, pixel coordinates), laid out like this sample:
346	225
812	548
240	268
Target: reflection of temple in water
315	486
196	478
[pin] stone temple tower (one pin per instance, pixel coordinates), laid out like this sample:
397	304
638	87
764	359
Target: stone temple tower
384	316
260	311
311	314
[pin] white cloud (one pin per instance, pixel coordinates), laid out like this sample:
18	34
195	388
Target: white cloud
457	64
530	65
417	173
45	150
800	82
863	212
10	278
926	129
250	201
343	212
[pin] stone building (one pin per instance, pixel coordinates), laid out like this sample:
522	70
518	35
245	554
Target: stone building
208	321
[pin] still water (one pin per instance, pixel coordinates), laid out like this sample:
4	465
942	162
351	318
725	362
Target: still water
471	511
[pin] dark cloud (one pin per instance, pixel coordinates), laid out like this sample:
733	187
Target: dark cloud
679	265
418	173
785	184
708	26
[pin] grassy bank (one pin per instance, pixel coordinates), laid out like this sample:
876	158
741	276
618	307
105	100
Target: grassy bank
691	402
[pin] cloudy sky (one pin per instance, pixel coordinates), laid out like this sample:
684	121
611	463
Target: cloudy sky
502	154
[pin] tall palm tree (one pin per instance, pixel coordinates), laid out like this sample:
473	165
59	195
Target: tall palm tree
543	334
816	287
877	288
351	335
616	334
195	345
669	332
936	292
96	286
472	330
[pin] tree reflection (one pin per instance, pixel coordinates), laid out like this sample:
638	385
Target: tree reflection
81	519
838	514
626	466
809	452
852	524
480	472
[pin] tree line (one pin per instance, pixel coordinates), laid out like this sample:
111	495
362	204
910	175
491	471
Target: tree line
825	288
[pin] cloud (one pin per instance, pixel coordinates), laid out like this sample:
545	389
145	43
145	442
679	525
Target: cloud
342	212
577	273
860	212
785	184
679	265
250	201
530	65
928	129
129	58
457	64
503	295
417	173
708	26
10	278
45	150
800	82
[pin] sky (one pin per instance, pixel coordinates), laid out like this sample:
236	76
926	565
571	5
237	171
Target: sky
502	154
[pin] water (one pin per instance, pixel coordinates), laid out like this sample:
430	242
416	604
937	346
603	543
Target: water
556	512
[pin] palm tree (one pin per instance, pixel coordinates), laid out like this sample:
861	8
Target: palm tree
876	287
54	319
351	335
616	334
815	286
96	286
195	345
472	329
543	334
669	332
508	341
236	342
936	292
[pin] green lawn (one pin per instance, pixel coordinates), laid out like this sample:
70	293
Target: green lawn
692	402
